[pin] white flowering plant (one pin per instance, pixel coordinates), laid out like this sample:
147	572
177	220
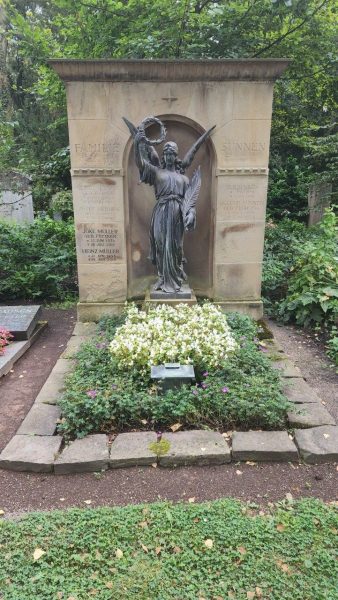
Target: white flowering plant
198	334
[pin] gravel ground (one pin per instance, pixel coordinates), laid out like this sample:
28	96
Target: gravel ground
21	492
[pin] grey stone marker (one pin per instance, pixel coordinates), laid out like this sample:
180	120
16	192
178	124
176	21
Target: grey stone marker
299	392
172	375
310	415
318	445
20	320
83	455
30	453
52	389
263	445
85	329
41	420
132	449
287	367
197	447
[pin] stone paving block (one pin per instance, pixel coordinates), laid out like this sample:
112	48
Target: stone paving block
263	446
89	328
132	449
30	453
52	389
197	447
63	366
310	415
74	345
83	455
272	347
318	445
287	367
41	420
299	392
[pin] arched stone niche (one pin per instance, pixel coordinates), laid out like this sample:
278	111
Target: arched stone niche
198	244
112	212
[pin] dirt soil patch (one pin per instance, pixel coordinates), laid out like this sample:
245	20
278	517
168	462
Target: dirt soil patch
259	483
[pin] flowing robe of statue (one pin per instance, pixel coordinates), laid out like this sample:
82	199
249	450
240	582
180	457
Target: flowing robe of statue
175	208
167	222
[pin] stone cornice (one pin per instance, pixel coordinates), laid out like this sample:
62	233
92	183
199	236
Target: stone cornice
170	70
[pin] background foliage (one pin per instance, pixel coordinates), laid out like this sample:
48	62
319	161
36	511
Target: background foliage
37	260
33	126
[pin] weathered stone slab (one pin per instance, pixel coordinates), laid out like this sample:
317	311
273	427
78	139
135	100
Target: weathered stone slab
63	366
272	348
263	445
299	392
287	367
195	448
310	415
85	329
132	449
30	453
52	390
83	455
74	345
41	420
318	445
20	320
12	353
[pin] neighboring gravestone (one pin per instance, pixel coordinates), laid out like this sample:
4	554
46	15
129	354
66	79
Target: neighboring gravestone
318	200
112	212
16	203
20	320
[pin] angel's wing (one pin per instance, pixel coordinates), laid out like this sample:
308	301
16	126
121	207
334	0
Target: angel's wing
189	157
192	192
153	157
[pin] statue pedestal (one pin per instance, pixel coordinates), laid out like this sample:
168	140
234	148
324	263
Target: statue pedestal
154	297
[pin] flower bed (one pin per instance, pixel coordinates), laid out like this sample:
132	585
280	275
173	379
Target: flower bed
5	337
110	389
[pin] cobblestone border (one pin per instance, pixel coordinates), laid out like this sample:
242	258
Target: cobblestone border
36	448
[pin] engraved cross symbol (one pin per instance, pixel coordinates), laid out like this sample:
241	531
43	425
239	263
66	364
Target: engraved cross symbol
170	99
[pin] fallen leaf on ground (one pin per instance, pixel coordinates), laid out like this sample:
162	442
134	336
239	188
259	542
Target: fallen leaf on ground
259	592
175	427
289	497
231	594
38	552
154	465
283	566
326	435
144	422
208	543
241	549
238	472
143	524
190	500
251	463
118	553
158	550
280	527
109	585
250	595
177	550
87	501
144	548
2	512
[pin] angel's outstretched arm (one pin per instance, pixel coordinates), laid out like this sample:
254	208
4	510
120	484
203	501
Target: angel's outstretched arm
189	157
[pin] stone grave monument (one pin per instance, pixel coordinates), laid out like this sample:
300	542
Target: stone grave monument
16	203
319	197
24	323
113	212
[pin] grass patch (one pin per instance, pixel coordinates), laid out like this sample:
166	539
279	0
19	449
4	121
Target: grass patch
242	391
220	549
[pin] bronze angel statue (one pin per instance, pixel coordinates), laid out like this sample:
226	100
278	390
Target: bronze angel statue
176	196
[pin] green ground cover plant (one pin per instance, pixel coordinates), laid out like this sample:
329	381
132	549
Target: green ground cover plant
300	275
242	390
215	550
37	261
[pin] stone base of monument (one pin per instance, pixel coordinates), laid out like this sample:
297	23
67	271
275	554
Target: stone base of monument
186	296
253	308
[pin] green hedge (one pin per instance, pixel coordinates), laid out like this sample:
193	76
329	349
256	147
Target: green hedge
37	261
